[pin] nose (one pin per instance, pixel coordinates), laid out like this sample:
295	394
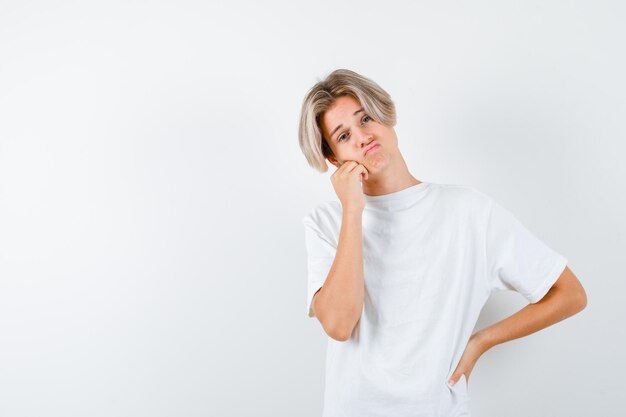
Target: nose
363	136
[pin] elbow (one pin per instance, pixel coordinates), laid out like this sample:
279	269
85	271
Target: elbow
576	301
337	326
582	300
340	335
341	332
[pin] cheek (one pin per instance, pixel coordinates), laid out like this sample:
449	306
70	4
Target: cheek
382	130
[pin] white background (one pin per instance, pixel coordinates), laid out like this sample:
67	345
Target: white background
152	259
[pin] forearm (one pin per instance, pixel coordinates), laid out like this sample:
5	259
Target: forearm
341	298
555	306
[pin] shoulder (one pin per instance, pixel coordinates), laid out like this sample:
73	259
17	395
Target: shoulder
326	212
463	196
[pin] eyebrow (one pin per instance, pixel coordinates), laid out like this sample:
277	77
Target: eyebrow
339	127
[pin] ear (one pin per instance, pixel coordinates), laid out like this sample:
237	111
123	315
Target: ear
328	150
334	161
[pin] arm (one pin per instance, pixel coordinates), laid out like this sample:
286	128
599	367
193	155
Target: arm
564	299
338	304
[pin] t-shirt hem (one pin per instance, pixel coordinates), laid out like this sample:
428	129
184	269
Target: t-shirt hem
310	301
551	278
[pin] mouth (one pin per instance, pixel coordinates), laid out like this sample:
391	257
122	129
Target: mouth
371	147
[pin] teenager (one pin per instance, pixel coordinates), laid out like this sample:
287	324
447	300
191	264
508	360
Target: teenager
399	269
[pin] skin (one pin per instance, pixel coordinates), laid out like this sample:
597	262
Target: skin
565	298
384	171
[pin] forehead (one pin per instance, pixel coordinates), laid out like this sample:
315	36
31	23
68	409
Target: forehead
341	112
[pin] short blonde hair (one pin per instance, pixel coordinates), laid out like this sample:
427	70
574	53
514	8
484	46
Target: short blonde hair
376	102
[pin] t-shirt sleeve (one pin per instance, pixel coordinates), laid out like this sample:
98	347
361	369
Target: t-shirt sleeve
320	256
516	259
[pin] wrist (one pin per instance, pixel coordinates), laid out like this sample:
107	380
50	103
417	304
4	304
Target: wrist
483	340
353	211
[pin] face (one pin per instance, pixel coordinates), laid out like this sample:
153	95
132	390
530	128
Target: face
350	132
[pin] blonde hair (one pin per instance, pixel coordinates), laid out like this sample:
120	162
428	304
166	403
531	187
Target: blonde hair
376	102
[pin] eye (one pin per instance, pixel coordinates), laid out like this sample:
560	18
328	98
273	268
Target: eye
365	119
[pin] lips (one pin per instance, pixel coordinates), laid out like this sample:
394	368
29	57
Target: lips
372	146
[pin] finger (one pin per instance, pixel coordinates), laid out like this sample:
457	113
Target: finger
347	167
454	379
364	175
362	171
341	168
356	168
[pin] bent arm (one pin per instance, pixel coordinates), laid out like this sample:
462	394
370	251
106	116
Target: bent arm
338	304
564	299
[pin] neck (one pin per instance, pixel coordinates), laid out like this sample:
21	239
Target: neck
394	177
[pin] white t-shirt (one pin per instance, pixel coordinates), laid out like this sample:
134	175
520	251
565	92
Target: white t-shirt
432	254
